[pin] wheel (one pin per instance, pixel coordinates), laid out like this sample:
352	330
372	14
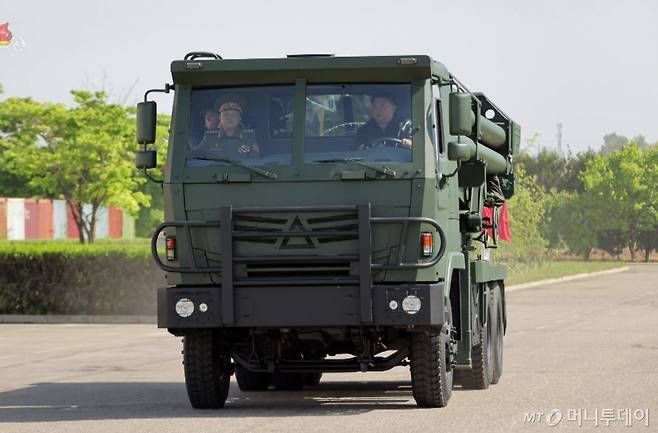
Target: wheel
431	365
312	379
252	380
481	373
288	381
207	370
498	333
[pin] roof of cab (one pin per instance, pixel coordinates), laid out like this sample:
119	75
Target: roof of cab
313	68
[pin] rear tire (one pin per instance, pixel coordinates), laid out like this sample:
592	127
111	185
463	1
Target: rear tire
431	365
481	374
252	380
207	370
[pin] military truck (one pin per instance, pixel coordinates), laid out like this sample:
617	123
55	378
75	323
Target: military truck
328	249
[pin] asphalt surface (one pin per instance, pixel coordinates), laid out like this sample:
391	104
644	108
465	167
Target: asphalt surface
577	347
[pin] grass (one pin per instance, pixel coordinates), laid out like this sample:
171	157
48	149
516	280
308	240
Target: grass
523	273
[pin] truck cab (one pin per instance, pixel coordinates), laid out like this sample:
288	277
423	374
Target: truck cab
325	214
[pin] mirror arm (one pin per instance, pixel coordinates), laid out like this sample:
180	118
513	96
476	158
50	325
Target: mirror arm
167	88
151	178
148	175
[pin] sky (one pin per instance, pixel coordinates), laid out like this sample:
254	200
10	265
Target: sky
590	65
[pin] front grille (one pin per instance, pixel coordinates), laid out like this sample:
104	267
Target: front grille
297	270
288	244
273	224
258	223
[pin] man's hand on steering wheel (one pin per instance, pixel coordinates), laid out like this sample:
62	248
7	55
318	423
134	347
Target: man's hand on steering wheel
381	142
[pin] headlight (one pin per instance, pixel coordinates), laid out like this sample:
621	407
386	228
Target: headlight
184	307
411	304
393	305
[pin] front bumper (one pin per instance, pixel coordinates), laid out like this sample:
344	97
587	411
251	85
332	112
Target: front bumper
301	306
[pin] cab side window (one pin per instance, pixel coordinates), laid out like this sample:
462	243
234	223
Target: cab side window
438	118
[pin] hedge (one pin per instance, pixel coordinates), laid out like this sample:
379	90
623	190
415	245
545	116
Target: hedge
65	277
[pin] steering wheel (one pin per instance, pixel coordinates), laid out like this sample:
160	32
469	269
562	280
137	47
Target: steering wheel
381	142
332	131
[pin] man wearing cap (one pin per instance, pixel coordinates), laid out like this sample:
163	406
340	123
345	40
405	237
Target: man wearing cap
384	127
231	139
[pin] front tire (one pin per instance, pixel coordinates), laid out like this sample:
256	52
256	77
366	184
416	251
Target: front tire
431	365
207	370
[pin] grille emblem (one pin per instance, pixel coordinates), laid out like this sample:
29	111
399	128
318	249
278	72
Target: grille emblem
300	224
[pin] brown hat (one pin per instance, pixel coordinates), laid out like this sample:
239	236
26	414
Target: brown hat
230	102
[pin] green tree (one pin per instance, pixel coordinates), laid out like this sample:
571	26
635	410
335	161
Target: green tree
84	154
547	168
577	223
553	171
574	166
11	185
623	183
612	142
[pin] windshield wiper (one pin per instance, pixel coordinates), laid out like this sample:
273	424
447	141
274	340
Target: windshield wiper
358	161
256	170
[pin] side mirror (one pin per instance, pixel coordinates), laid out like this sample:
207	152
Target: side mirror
458	151
145	159
146	118
462	117
462	150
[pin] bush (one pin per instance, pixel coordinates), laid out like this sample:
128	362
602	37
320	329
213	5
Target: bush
64	277
527	211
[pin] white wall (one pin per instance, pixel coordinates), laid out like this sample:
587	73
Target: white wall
16	219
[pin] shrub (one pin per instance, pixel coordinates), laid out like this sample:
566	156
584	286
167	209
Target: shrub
64	277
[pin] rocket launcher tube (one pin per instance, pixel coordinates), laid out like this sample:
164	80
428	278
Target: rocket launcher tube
462	120
491	134
466	150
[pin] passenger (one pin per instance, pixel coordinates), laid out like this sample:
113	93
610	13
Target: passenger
230	139
385	127
210	123
211	119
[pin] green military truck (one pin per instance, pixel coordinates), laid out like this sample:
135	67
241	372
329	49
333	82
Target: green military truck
325	214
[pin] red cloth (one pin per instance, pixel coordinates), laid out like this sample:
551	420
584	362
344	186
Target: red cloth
488	218
504	233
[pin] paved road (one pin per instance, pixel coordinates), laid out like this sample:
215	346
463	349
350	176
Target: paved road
583	345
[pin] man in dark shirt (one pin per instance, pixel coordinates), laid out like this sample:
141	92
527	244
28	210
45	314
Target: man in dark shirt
384	128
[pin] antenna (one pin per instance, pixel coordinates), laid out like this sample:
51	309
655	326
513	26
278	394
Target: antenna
559	138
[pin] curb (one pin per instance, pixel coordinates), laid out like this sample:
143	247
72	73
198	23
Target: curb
564	279
82	319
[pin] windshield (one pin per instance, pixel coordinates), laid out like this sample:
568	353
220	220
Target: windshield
365	122
244	125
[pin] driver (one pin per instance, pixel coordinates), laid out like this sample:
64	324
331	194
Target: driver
384	126
231	139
